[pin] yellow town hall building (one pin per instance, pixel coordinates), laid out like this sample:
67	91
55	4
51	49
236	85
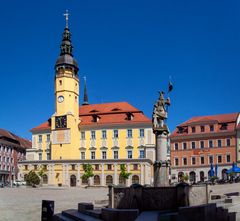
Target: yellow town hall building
104	135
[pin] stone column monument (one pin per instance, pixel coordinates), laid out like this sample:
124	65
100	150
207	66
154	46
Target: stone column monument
161	131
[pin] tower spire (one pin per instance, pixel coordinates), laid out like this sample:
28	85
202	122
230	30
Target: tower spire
66	14
66	48
85	98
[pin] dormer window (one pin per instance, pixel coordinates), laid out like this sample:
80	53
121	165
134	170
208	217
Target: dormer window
96	118
193	129
223	126
180	130
129	116
116	109
94	111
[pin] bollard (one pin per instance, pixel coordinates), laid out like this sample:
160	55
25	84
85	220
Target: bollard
47	210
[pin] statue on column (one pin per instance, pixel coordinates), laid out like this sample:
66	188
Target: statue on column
161	131
160	112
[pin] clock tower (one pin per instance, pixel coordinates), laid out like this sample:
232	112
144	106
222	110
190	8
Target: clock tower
65	120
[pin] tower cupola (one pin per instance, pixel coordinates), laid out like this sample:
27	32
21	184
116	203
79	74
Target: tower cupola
66	61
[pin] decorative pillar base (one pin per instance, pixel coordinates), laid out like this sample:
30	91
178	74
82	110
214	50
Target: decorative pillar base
161	174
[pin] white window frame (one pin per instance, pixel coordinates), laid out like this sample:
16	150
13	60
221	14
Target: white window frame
93	153
192	160
104	151
128	151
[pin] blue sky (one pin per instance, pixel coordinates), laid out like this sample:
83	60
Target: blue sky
127	50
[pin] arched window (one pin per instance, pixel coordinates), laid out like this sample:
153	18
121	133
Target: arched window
192	177
96	180
73	180
45	179
135	179
109	180
202	176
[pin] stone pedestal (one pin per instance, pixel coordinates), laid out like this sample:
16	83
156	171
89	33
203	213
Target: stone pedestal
161	165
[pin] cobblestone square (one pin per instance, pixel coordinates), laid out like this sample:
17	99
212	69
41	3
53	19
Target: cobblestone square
24	204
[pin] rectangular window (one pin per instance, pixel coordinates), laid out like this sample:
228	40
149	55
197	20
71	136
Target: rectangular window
185	161
202	160
129	133
48	156
35	167
228	141
83	135
228	158
176	146
193	160
184	146
193	129
115	154
210	143
141	154
82	155
40	156
93	155
193	145
104	134
211	128
93	135
202	144
48	138
104	155
115	133
97	167
73	167
219	159
202	128
176	162
141	132
219	143
210	158
39	138
109	166
129	153
135	166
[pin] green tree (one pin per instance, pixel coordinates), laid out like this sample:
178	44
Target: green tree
32	178
88	172
40	173
124	174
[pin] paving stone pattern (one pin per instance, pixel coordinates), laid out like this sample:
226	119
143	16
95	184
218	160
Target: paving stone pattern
25	203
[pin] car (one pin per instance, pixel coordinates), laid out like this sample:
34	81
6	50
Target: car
19	183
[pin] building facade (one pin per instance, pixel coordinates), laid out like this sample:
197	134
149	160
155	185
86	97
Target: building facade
12	151
202	141
103	135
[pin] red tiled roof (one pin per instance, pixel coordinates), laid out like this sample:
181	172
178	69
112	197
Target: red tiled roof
220	118
6	135
109	113
43	126
116	107
215	119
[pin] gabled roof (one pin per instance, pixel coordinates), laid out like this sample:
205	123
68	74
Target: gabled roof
107	108
220	118
43	126
14	139
109	113
230	119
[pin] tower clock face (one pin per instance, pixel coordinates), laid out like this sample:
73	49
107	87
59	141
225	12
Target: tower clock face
61	121
60	99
